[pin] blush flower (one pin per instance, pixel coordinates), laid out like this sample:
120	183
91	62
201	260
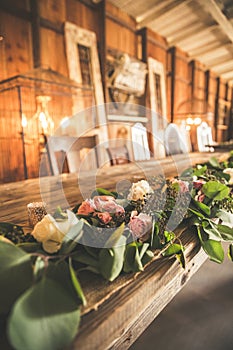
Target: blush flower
107	204
104	217
140	225
183	185
86	208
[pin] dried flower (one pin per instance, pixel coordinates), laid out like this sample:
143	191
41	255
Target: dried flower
139	190
229	171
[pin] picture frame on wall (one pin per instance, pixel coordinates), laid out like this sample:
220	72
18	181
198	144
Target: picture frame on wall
83	64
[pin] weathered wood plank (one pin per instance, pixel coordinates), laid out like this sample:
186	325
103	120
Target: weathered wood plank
118	312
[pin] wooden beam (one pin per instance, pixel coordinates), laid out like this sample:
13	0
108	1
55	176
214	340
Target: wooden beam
209	48
188	35
35	25
153	10
213	8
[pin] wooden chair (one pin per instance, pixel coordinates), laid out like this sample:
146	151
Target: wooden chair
140	142
118	155
174	143
64	152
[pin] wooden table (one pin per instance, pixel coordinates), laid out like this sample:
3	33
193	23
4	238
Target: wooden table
117	312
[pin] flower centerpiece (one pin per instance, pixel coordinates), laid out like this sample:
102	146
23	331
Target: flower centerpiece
108	234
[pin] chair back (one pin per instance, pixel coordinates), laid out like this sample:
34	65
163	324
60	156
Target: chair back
69	148
140	142
118	155
174	141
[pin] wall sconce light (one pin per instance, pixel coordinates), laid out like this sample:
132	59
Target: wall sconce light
45	121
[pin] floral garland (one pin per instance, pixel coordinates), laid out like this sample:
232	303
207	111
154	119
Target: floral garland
109	234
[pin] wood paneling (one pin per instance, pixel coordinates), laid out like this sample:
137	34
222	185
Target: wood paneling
120	31
179	83
16	46
53	52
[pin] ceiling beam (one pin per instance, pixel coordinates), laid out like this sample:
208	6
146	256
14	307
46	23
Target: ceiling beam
213	8
152	11
162	13
212	47
187	37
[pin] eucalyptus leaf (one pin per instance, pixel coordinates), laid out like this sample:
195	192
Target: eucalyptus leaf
214	163
181	258
44	317
39	267
226	232
230	252
215	190
76	284
16	274
201	206
85	258
132	262
111	260
200	171
72	238
225	216
147	257
115	236
173	248
102	192
213	249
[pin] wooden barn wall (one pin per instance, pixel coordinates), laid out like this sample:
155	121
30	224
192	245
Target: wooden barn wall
120	31
33	36
179	83
155	46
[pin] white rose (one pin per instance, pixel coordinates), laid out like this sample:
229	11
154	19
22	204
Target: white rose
50	232
139	190
229	171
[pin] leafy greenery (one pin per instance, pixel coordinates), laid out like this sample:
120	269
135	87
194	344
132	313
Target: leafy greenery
41	293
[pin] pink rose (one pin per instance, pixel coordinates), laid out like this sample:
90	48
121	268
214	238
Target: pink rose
200	197
107	204
85	208
198	184
183	185
140	224
104	217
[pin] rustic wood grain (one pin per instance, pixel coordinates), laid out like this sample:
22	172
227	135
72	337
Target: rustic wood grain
118	312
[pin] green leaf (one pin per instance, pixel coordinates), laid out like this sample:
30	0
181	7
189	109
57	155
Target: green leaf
16	274
173	248
215	190
225	216
169	236
147	257
226	232
181	258
30	247
72	238
214	163
201	206
115	236
230	252
132	262
44	317
214	250
39	268
200	171
155	239
85	258
76	284
211	230
111	260
102	192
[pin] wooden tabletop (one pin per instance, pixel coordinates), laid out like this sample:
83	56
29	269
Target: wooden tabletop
117	312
